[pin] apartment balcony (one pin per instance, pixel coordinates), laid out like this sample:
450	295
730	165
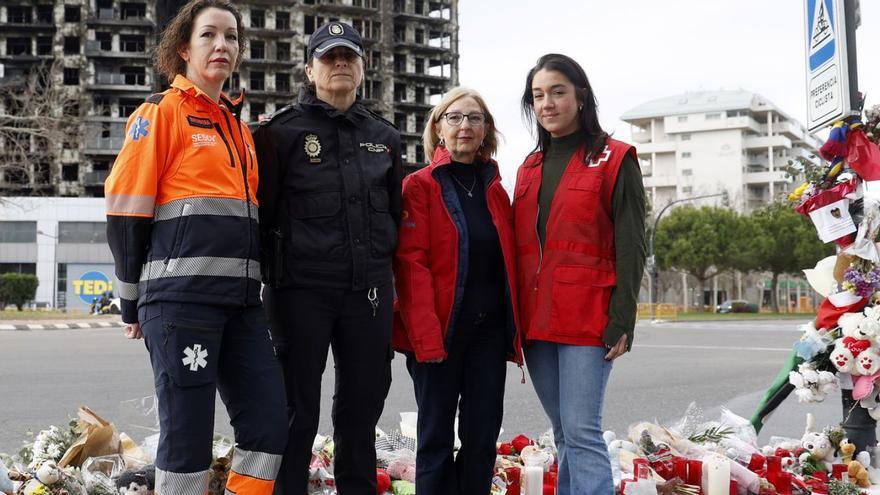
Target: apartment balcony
423	76
104	145
110	17
434	49
658	147
641	136
267	92
434	19
790	129
29	27
268	32
338	8
106	118
23	59
119	82
765	177
94	50
759	142
661	181
266	62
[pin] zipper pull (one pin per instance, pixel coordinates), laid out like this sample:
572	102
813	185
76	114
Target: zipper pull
373	297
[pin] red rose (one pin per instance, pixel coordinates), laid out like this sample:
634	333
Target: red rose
520	442
505	449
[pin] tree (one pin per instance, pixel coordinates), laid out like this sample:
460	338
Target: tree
17	289
697	241
38	116
778	240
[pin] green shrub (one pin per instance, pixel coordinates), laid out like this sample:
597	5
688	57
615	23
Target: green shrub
17	289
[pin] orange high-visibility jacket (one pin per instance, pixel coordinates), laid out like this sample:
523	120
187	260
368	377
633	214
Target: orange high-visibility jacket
181	203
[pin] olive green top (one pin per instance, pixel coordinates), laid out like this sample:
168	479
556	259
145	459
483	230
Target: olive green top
628	215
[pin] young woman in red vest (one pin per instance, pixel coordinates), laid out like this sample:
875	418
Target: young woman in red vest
455	270
579	220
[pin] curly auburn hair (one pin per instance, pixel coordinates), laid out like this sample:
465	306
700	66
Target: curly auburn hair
166	58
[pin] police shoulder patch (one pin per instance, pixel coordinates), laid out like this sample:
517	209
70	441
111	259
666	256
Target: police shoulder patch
282	114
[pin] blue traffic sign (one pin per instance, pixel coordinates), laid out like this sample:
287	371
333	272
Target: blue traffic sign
821	35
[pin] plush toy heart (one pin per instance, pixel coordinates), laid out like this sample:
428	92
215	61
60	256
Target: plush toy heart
856	346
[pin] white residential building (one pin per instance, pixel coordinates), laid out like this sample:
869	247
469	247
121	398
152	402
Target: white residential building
707	142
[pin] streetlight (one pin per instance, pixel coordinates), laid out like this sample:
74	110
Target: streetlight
54	268
652	262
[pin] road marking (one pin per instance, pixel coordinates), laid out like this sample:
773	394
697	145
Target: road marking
83	325
33	326
712	347
7	327
61	326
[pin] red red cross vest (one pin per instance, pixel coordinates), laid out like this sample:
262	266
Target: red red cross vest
565	288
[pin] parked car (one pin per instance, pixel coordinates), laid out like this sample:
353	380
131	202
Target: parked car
736	306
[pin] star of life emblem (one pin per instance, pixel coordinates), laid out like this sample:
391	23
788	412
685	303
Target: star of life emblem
195	357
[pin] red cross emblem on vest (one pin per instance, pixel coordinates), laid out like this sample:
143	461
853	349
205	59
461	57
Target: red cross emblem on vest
605	155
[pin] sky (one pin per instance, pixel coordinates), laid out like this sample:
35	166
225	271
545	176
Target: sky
634	51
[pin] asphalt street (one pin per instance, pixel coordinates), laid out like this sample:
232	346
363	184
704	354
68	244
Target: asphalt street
46	374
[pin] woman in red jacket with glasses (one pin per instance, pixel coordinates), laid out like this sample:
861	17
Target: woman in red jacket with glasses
455	275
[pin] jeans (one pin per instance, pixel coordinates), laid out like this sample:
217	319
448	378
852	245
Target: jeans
570	382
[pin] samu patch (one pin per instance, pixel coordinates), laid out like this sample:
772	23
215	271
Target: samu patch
199	122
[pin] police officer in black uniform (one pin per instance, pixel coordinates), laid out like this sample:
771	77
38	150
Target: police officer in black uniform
330	205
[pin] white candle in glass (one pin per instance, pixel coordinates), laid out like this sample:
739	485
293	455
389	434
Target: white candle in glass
716	475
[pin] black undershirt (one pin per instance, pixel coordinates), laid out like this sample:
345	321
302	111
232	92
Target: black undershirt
484	288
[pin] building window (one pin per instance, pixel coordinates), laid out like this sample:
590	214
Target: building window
420	94
282	21
71	13
685	137
312	23
70	172
373	90
258	50
682	118
399	62
282	51
282	82
399	33
71	45
45	14
399	92
687	171
30	268
18	46
44	45
686	189
134	75
258	80
400	122
128	106
420	65
133	43
420	154
71	76
258	18
82	232
257	109
18	15
420	36
132	10
105	40
18	231
713	116
374	60
686	154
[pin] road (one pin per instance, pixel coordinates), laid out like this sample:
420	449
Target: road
46	375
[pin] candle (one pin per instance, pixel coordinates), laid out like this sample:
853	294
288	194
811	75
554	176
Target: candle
641	469
717	469
733	487
839	471
513	487
783	483
695	472
680	468
533	480
756	462
774	467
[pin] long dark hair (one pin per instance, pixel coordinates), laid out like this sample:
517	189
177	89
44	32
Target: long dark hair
588	120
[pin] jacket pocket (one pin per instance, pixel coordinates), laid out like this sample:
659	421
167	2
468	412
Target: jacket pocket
190	352
315	205
179	235
316	230
383	231
582	197
581	296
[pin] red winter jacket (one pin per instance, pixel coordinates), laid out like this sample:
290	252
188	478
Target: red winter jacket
426	264
566	284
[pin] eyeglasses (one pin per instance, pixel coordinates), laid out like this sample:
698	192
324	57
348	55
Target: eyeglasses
456	118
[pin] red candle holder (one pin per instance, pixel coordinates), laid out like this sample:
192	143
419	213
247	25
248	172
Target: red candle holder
756	463
838	470
733	487
680	468
783	483
513	480
641	469
695	472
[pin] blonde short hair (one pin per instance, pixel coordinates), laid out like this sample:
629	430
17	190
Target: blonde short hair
430	139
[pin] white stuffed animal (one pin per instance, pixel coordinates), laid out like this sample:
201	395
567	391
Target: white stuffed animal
812	385
856	352
819	449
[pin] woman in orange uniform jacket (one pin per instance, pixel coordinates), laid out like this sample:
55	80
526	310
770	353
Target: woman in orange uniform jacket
182	226
455	275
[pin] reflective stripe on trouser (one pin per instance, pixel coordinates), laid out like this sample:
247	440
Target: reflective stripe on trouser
206	206
169	483
252	473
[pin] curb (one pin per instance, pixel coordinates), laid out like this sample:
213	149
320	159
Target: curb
59	326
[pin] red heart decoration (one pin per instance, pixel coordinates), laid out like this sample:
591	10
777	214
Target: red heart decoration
856	346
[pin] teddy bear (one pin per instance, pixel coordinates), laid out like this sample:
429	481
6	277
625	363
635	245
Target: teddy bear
855	352
819	451
812	385
137	482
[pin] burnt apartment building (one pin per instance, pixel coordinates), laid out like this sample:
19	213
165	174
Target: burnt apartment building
99	55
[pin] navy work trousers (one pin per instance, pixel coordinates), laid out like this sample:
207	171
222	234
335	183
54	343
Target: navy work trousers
197	350
471	379
305	324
